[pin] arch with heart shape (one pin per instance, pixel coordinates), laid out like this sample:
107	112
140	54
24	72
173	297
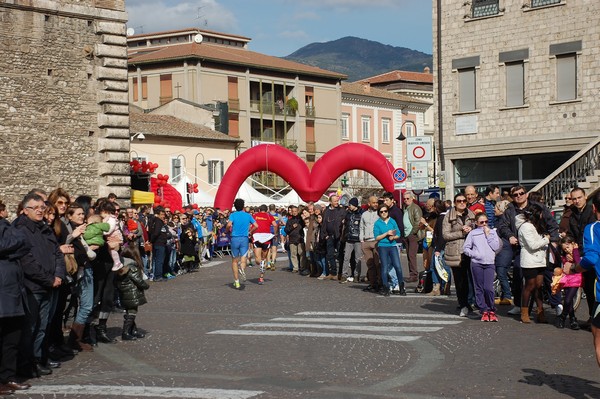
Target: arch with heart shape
310	185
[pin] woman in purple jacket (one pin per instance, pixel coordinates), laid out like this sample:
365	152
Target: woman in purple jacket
481	245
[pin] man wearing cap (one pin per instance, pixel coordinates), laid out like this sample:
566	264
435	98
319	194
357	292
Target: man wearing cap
353	244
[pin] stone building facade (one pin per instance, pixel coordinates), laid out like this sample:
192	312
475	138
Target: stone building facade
64	116
519	81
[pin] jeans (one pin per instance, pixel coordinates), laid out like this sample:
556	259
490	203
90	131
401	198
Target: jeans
355	247
503	262
158	259
41	309
85	285
322	262
389	258
332	249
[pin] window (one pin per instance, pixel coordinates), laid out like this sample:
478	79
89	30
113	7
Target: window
176	169
366	122
542	3
485	8
515	84
466	90
385	130
345	118
216	169
566	77
566	69
144	88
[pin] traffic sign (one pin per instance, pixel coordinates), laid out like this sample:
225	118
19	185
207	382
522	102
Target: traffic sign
420	183
419	169
399	175
418	149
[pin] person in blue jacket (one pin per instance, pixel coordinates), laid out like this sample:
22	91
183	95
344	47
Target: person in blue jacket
591	261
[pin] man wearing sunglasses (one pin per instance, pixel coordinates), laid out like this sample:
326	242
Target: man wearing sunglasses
511	249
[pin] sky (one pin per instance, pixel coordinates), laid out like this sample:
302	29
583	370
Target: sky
280	27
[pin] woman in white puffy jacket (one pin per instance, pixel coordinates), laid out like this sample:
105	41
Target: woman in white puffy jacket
534	240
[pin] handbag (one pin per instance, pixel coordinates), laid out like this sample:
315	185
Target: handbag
71	264
147	246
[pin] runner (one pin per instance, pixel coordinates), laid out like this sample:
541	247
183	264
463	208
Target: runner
263	238
276	239
241	224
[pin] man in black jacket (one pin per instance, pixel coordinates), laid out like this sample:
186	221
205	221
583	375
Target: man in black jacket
157	231
294	229
331	229
353	244
511	250
44	270
582	214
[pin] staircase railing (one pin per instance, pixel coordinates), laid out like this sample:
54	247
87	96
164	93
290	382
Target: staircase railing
575	170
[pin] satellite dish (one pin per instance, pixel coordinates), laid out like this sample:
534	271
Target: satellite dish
198	38
130	31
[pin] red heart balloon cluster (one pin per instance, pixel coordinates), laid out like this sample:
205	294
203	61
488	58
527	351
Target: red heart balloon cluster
192	188
158	201
161	180
142	167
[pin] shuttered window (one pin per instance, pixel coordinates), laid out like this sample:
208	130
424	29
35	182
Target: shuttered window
566	77
515	84
466	90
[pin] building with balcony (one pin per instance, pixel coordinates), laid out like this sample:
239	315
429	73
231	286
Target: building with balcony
256	98
518	87
376	117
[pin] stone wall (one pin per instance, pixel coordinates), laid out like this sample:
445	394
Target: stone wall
63	97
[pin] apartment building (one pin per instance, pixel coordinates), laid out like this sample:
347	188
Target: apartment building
256	98
377	117
518	87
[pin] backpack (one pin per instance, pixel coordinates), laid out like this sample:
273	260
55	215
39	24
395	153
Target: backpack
425	282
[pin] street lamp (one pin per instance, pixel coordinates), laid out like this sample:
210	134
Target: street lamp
401	136
203	164
131	155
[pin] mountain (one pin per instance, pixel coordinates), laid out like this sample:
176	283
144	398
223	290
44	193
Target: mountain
360	58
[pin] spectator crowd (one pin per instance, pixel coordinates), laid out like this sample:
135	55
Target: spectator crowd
67	263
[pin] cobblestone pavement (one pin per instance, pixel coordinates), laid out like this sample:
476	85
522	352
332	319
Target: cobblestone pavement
298	337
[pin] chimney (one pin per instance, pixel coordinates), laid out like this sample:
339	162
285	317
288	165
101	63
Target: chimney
427	70
367	87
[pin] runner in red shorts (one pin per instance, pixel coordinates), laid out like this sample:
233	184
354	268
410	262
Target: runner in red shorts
263	238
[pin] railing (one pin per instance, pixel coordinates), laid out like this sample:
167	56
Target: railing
310	111
542	3
485	8
290	144
572	172
268	107
267	179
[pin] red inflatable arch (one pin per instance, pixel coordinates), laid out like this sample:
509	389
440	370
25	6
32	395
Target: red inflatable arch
310	186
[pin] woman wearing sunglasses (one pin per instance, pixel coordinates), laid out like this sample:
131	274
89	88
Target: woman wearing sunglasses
481	245
386	233
456	226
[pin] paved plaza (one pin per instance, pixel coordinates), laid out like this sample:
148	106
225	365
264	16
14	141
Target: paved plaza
298	337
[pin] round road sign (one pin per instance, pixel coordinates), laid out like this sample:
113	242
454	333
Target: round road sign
399	175
419	152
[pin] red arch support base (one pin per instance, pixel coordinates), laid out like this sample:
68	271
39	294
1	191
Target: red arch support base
310	185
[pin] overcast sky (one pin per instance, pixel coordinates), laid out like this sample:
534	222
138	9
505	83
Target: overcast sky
280	27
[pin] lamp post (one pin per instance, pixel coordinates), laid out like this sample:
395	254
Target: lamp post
203	164
131	155
401	136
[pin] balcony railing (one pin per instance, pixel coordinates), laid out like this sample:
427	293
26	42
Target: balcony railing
262	179
268	107
485	8
570	174
292	145
543	3
310	111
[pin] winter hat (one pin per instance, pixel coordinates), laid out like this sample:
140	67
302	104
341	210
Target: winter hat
353	202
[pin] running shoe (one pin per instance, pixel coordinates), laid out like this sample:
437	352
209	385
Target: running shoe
464	311
242	273
493	317
236	285
485	316
261	280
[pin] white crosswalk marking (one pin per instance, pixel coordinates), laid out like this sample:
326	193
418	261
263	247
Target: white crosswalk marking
140	391
374	326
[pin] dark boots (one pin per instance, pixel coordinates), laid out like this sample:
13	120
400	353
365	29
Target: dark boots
128	324
76	338
101	335
137	333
